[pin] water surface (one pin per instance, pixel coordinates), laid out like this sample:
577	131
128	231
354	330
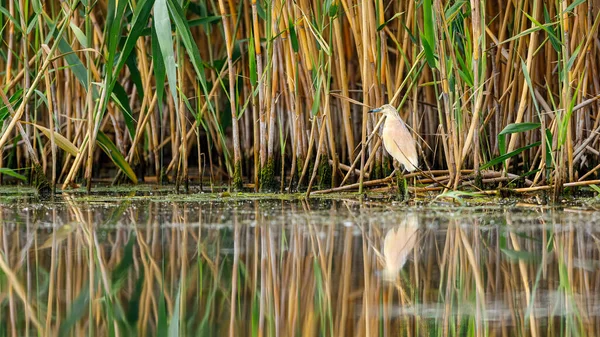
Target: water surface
149	263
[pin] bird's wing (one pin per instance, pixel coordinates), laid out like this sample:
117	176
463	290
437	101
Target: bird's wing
399	143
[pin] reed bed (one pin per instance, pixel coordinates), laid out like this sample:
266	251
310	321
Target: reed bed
273	95
285	269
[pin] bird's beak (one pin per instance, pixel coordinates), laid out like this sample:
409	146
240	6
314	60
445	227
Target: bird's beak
375	110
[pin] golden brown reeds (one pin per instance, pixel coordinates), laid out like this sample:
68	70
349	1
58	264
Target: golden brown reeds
483	85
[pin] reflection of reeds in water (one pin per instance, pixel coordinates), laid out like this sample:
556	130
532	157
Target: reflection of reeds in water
289	269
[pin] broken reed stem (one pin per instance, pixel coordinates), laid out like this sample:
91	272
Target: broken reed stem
436	188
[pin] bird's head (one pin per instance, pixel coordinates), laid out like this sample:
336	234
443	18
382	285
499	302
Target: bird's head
387	110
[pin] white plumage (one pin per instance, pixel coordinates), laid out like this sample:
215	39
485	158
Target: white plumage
397	139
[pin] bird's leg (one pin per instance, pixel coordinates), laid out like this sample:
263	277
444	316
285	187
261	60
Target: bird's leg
400	182
396	169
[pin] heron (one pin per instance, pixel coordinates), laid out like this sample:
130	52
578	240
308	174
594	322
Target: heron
397	140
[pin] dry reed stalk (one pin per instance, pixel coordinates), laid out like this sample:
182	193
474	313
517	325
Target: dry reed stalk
343	80
52	113
364	30
237	156
261	89
320	146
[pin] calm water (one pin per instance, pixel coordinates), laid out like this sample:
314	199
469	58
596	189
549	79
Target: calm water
143	263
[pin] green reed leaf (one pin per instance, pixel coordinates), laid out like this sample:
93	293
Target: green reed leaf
293	37
162	23
502	158
12	173
115	155
119	96
381	26
60	140
428	38
574	4
190	45
252	62
513	128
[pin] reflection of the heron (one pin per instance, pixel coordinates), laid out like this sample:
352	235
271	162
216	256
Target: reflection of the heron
398	243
